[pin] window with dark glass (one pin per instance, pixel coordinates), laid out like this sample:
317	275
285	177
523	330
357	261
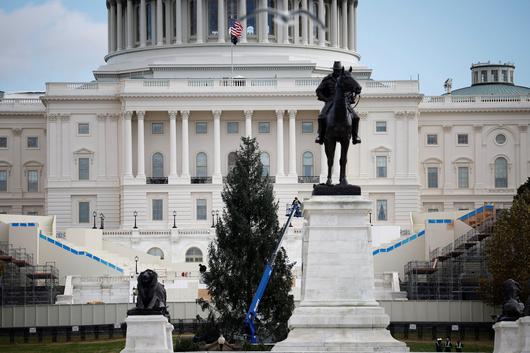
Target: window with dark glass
84	212
193	17
264	127
148	11
3	180
432	177
381	165
83	129
382	210
201	127
157	128
201	165
232	127
432	139
33	142
158	209
463	177
307	127
84	168
484	76
3	142
251	21
33	181
462	139
266	164
201	210
194	255
501	173
380	126
504	75
158	165
308	164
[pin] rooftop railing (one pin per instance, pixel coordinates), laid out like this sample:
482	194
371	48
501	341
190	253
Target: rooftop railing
448	100
21	104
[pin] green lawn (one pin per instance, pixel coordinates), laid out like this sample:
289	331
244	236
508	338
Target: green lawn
115	346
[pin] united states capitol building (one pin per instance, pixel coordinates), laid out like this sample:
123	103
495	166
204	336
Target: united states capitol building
148	142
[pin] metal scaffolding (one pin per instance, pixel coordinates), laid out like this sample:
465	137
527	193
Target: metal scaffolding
21	282
454	271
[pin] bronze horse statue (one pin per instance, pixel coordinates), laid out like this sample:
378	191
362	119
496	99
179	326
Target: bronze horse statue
339	123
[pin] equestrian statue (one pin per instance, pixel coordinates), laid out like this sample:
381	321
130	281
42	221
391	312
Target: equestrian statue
337	121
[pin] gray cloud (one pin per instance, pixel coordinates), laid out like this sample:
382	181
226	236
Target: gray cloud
48	42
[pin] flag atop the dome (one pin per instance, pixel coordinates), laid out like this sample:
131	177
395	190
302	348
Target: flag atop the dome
235	30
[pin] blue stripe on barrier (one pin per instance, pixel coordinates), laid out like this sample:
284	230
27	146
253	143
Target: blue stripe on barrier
375	252
15	224
79	253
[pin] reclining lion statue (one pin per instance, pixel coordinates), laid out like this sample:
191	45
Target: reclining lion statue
151	298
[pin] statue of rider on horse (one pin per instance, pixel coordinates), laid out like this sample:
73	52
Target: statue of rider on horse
338	122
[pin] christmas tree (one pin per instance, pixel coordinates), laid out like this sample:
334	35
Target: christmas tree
246	236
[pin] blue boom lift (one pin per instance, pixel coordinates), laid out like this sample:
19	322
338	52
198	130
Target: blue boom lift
251	314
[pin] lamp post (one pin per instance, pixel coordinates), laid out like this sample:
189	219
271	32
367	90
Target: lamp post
135	214
370	215
94	214
136	264
213	218
102	218
217	216
174	219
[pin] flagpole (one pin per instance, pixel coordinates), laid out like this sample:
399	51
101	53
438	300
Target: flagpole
232	62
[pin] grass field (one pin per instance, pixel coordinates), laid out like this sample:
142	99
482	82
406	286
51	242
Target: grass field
115	346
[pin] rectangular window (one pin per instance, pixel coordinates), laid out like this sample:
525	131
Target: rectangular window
33	181
157	128
462	139
382	210
158	209
3	142
475	77
3	180
504	75
432	139
307	127
430	210
483	76
84	168
33	142
84	212
432	177
201	210
32	213
83	129
201	127
381	164
232	127
463	177
264	127
495	75
380	126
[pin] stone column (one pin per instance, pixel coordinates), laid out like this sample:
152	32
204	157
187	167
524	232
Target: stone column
130	36
322	18
143	24
242	12
477	171
364	129
66	149
52	145
101	154
168	22
523	153
248	123
310	24
351	25
109	30
140	175
159	23
304	23
292	144
355	26
200	38
119	15
178	22
286	28
221	25
296	31
413	148
334	23
344	24
153	22
185	114
263	23
279	144
127	145
401	146
217	176
172	147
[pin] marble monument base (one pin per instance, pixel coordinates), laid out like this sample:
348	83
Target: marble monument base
338	311
148	334
506	337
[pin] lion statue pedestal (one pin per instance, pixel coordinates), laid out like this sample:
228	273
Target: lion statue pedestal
148	327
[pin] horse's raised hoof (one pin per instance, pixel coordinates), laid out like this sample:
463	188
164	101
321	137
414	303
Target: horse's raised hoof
356	140
319	140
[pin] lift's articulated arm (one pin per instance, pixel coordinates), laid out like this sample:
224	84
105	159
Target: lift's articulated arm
251	314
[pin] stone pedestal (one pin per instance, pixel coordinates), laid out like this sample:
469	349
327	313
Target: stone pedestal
523	333
506	340
338	311
148	334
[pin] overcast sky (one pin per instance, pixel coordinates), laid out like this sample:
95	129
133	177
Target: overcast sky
64	40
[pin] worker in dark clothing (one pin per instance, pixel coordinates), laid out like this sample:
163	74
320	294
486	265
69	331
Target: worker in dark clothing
448	345
459	346
439	345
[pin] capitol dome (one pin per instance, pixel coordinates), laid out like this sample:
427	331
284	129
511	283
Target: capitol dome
176	38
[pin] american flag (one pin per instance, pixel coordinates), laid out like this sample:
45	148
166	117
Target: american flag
235	31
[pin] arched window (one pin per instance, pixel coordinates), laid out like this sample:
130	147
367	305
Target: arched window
308	164
194	255
156	252
271	25
501	173
201	165
158	165
266	163
193	17
231	161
